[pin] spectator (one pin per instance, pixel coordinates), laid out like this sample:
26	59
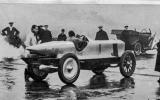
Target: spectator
101	35
157	65
62	36
10	30
124	38
12	35
45	34
31	37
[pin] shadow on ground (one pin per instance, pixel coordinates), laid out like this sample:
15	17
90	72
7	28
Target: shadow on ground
42	90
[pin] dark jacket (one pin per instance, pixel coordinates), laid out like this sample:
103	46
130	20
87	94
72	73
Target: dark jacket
6	31
12	36
157	65
45	36
62	37
101	35
124	37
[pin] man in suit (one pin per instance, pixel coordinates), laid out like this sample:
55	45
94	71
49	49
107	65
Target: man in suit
124	38
124	33
101	34
157	65
45	35
10	30
12	34
62	36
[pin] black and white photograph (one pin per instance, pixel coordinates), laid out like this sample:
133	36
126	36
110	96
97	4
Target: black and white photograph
79	50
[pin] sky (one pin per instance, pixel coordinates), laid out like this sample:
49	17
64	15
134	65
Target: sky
84	1
82	18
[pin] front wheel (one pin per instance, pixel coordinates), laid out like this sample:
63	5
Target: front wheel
36	74
69	69
127	64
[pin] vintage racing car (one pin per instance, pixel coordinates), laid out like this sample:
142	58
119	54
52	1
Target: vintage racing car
68	57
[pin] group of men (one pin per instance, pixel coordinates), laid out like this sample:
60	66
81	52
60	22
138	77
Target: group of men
41	34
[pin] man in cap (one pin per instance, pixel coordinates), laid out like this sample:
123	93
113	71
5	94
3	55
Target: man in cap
62	36
45	35
101	35
12	34
124	37
10	30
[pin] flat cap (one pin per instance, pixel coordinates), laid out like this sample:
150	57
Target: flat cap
10	22
126	26
100	26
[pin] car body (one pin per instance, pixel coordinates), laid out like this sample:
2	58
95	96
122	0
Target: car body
93	50
68	60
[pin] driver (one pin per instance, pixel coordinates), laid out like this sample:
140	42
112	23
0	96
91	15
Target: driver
71	35
79	43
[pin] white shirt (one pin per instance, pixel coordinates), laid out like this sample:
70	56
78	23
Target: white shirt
31	40
71	38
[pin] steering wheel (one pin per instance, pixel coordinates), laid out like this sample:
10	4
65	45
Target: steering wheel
84	38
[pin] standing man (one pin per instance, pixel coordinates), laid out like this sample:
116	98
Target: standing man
10	30
124	33
45	35
101	35
124	38
157	65
12	33
32	36
62	36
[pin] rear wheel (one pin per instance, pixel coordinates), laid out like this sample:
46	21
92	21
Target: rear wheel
137	48
36	74
127	64
69	69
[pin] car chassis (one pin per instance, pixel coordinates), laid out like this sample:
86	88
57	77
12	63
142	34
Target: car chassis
70	63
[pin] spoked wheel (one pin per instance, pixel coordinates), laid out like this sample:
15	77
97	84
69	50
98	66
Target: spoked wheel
137	48
128	64
37	74
69	69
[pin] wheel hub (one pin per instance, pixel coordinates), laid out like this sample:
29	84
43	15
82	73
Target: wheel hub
70	68
128	64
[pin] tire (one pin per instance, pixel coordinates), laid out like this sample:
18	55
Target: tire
36	74
98	71
69	68
137	49
127	64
